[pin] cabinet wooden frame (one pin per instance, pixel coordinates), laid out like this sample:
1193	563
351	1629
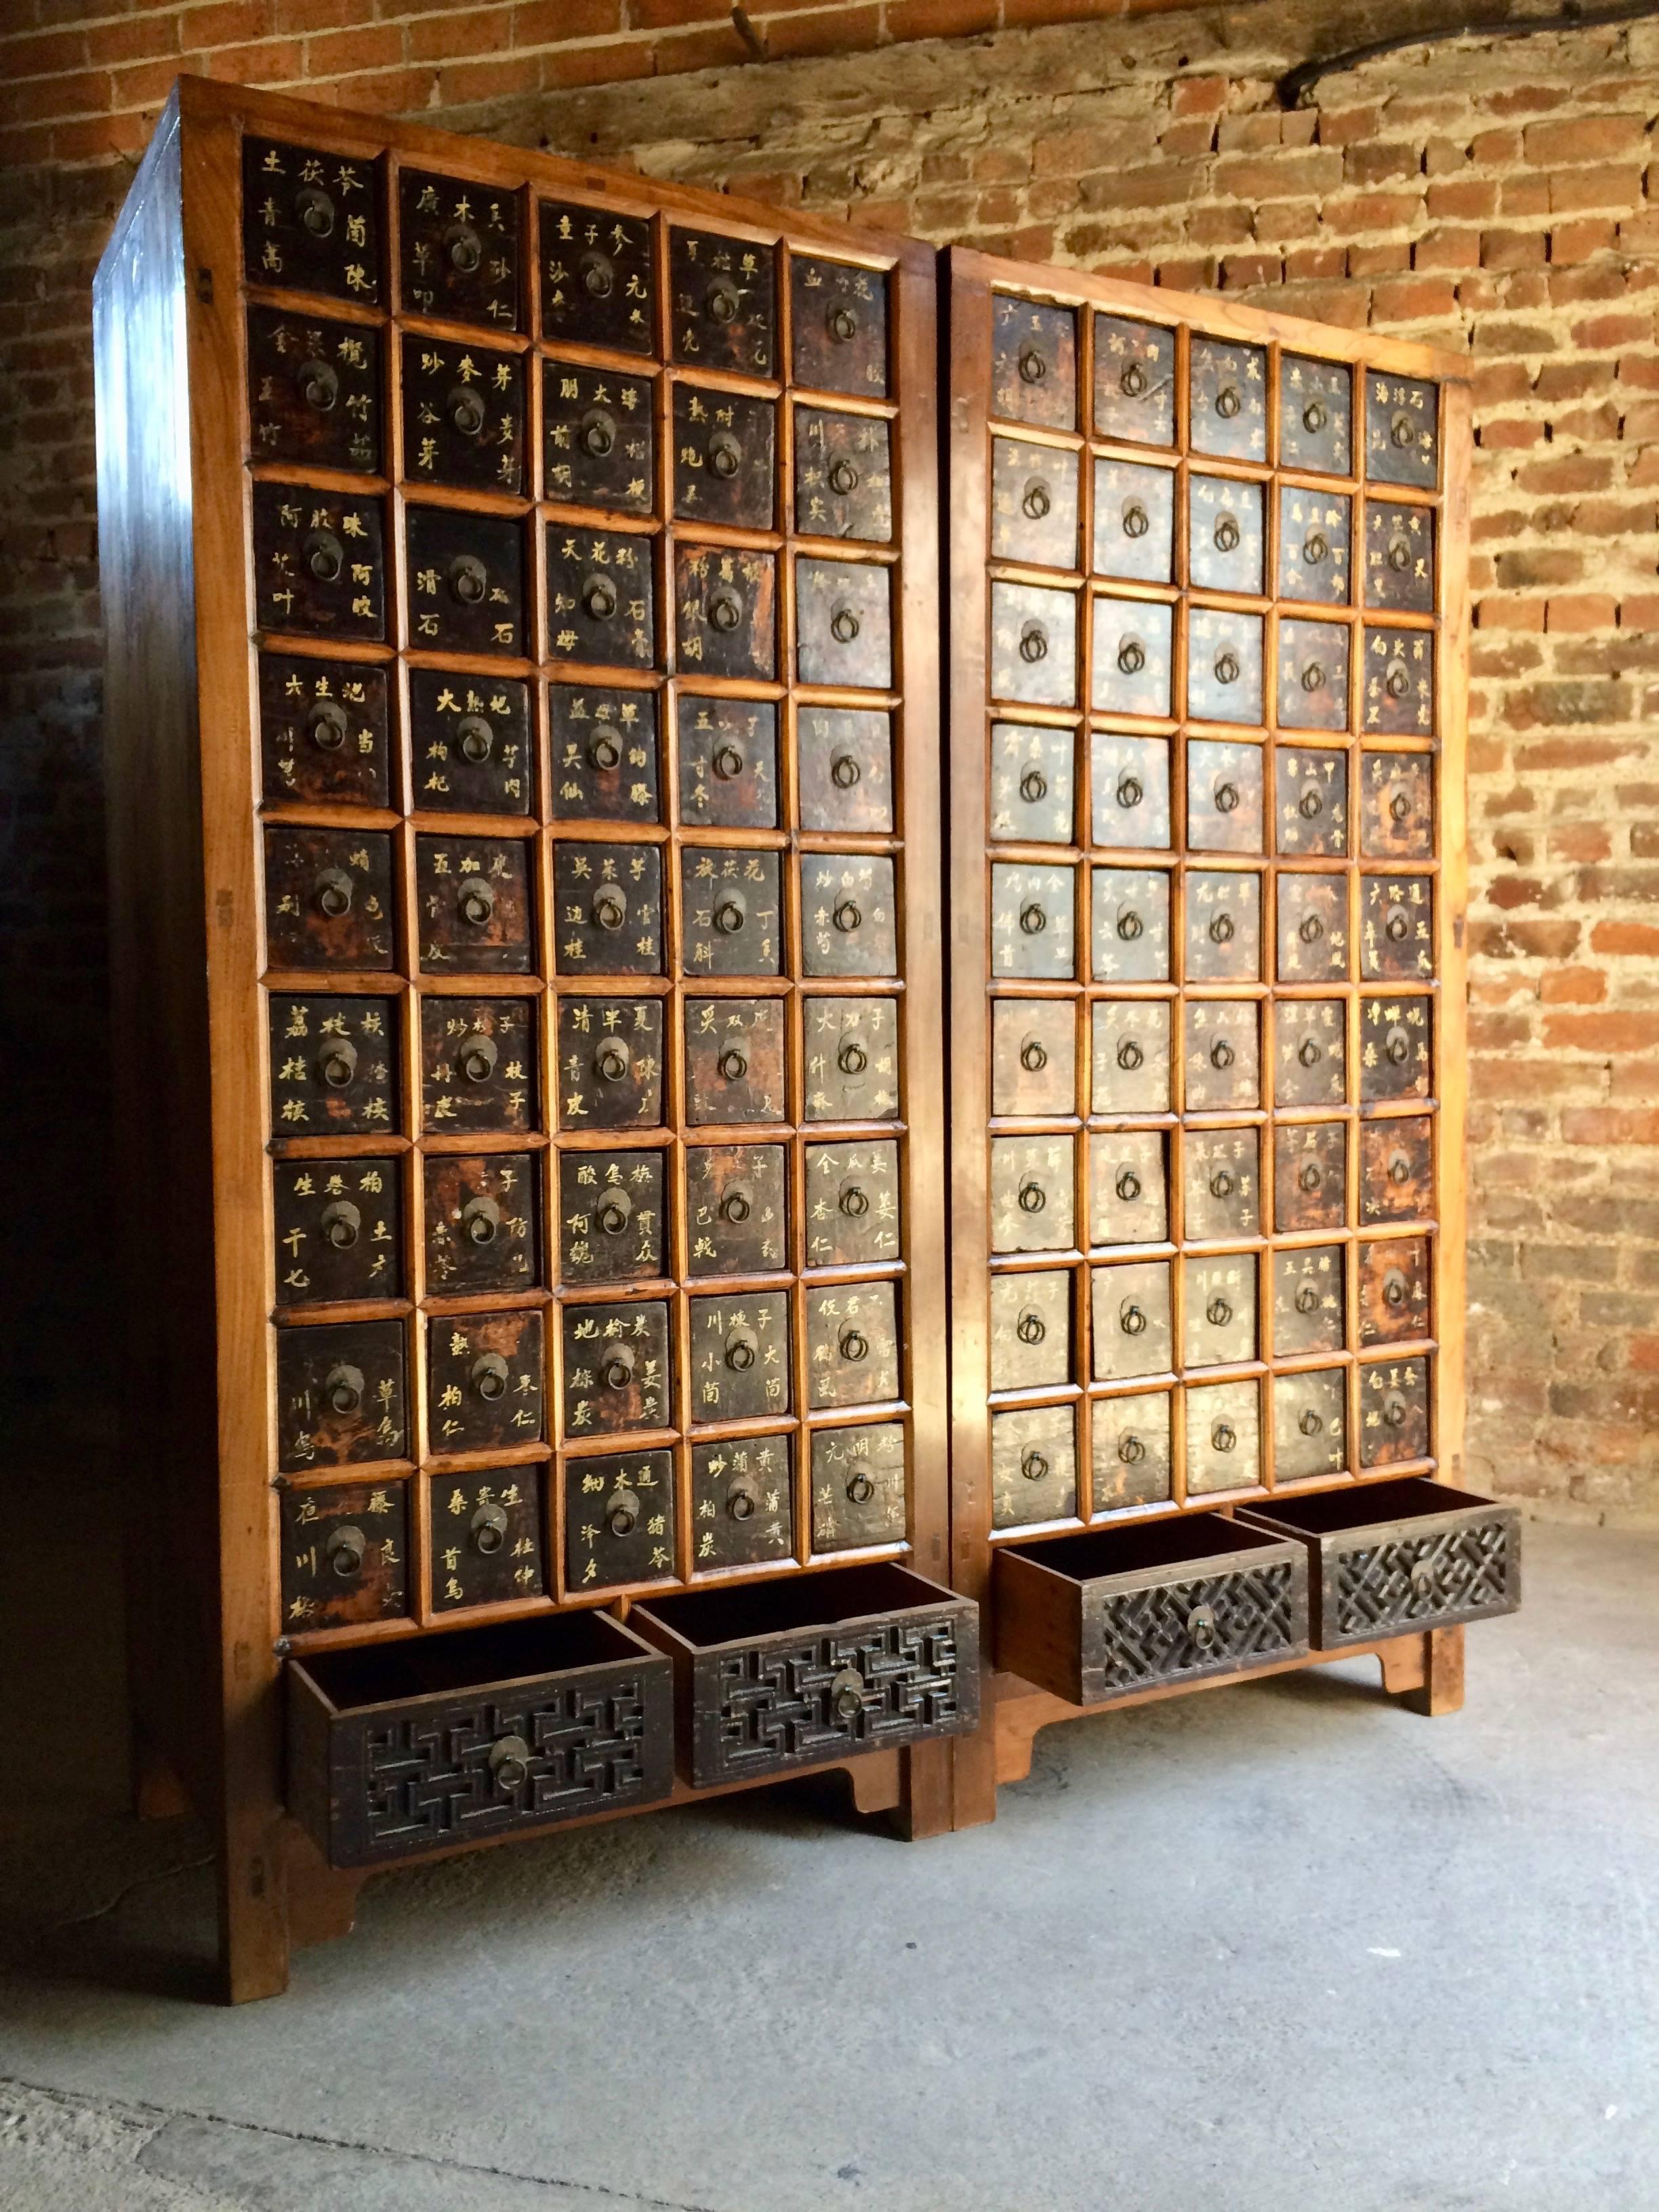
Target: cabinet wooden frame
189	813
974	285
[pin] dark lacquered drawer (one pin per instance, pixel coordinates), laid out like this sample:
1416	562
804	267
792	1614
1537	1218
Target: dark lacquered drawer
813	1668
1391	1558
1117	1610
395	1749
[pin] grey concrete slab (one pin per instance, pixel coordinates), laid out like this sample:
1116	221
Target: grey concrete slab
1279	1946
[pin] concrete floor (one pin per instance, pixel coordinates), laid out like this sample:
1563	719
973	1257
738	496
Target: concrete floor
1287	1948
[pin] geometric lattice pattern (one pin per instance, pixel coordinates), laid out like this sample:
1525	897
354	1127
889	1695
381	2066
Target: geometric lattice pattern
1210	1623
1421	1580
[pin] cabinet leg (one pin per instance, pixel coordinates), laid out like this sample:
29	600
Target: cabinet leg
157	1792
924	1807
322	1899
1442	1687
253	1935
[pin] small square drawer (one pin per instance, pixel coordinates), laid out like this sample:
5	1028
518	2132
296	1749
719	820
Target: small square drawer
843	624
311	221
1133	656
850	1063
1117	1610
486	1537
1033	1466
726	612
619	1519
1129	925
1031	1195
603	745
723	303
463	416
345	1555
1313	927
1394	1304
843	476
1128	1188
742	1506
812	1669
319	563
1220	1310
1316	545
607	902
859	1488
1032	795
1134	522
737	1210
599	438
609	1065
1399	558
1312	1052
1226	800
1130	1321
1403	430
728	752
1034	1057
852	1205
1033	927
1310	1299
1397	686
340	1395
1030	1330
473	904
325	730
611	1217
1395	1048
601	598
1316	416
845	768
461	247
478	1064
469	743
1223	1055
484	1381
313	392
848	916
466	577
838	325
1227	400
734	1059
1312	791
1134	381
731	920
1391	1558
1396	1168
1309	1424
1034	504
338	1231
619	1374
740	1356
1396	928
1226	537
1313	676
1394	1412
400	1747
1033	645
1396	807
1224	659
1131	782
1310	1180
1222	1191
599	278
1224	926
852	1345
1132	1457
1034	362
481	1231
1131	1057
1224	1438
328	899
333	1066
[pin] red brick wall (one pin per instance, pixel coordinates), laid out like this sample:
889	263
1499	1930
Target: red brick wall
1490	196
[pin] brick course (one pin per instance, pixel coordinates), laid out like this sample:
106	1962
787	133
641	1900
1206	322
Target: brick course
1490	197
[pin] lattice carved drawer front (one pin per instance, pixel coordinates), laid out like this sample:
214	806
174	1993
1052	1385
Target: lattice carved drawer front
799	1675
409	1747
1394	1558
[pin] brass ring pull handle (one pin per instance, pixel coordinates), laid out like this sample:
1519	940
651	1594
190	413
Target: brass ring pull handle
337	1063
846	1696
1314	417
1222	1436
1221	1055
1033	919
509	1762
1397	1047
1311	805
1128	1185
721	302
731	913
1311	1177
854	1202
1226	534
1130	1449
1129	925
1397	683
861	1490
603	752
1313	676
464	248
1226	798
1132	1319
1031	1328
598	598
610	906
1221	1183
1315	548
1033	643
1309	1053
343	1387
481	1221
843	476
844	624
1394	1410
1308	1422
621	1512
1221	929
617	1368
1396	1289
1032	1198
476	903
476	1057
466	411
326	727
1397	926
1033	785
598	434
741	1502
1403	430
1129	1055
1129	793
1033	368
1226	668
1400	1168
725	611
610	1062
1136	521
1422	1579
1228	403
1311	929
852	1059
1033	1056
725	454
319	388
597	275
848	917
615	1211
736	1205
844	771
854	1345
733	1063
1034	1465
727	763
1132	380
1037	500
345	1549
1200	1626
1399	555
487	1377
1218	1313
342	1225
1306	1298
315	211
488	1529
324	556
469	580
475	739
1131	656
1400	806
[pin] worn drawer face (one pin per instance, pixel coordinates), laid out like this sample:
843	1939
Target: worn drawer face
728	762
599	438
1312	802
1034	504
482	1221
737	1214
1131	656
314	391
1032	1204
845	768
1033	645
601	598
1223	1187
851	1204
610	1071
486	1537
1224	1438
1130	1321
607	909
1223	1055
838	325
472	898
484	1381
469	743
1129	926
598	281
1309	1176
1312	1040
1031	1331
478	1064
858	1487
742	1502
1403	430
1316	545
1220	1310
731	921
1131	1072
1400	576
611	1217
324	731
734	1054
333	1066
1316	416
617	1372
1396	928
463	416
1396	807
338	1231
603	745
723	302
465	581
1394	1412
851	1059
848	918
1134	381
319	563
340	1395
1396	1168
726	611
1224	665
311	221
618	1519
1226	535
852	1345
1308	1300
1395	1051
1033	1466
1313	676
1224	796
1227	400
1313	927
843	624
1131	792
1034	1057
1398	683
1394	1291
345	1555
1032	794
1309	1425
1034	363
1134	522
461	247
1224	926
1131	1451
1128	1188
328	899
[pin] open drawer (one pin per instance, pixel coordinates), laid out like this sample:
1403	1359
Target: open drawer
1117	1610
778	1674
404	1747
1386	1558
